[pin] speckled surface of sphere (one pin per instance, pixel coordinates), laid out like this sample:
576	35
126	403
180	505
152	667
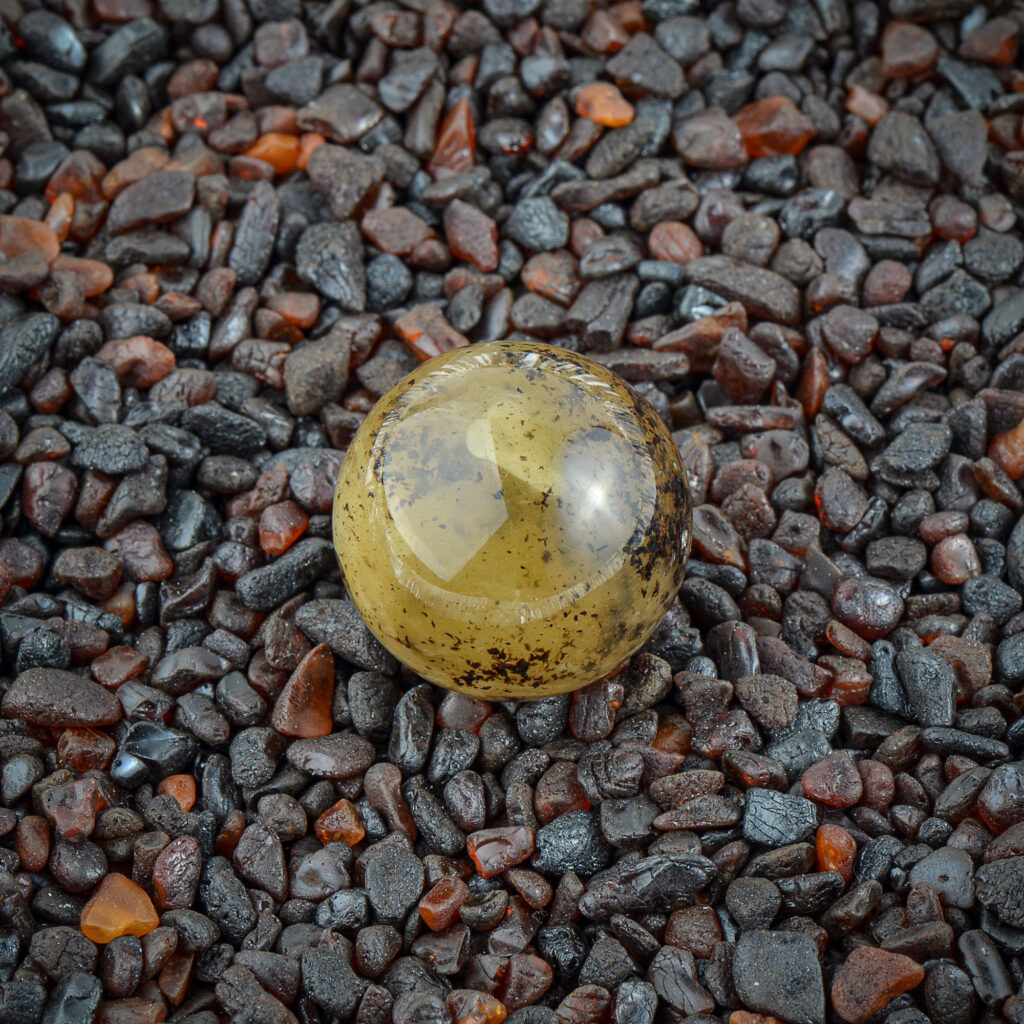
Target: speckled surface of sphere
512	520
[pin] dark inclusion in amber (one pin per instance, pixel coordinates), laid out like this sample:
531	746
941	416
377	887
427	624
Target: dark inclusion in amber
512	520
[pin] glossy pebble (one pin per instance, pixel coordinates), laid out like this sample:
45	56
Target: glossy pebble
118	907
512	520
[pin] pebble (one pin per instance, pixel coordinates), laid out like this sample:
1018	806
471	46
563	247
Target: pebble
762	292
775	819
264	588
329	257
22	342
338	756
951	873
869	980
575	839
337	624
537	224
900	145
161	197
57	698
113	449
930	685
341	112
999	885
778	973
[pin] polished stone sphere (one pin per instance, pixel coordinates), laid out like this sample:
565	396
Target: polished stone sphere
512	520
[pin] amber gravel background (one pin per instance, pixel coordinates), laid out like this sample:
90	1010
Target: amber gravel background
229	226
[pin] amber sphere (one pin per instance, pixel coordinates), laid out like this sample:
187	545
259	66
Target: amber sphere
512	520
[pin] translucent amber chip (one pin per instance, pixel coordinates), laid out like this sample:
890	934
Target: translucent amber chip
118	907
512	520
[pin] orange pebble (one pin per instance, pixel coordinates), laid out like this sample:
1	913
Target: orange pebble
307	144
674	737
455	146
281	525
866	105
281	151
230	833
1007	450
118	907
440	907
300	309
20	234
774	126
604	104
304	706
835	850
468	1006
340	823
182	788
60	215
94	276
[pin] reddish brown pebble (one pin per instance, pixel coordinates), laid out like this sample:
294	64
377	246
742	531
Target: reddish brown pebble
459	711
182	788
955	559
176	873
19	234
868	106
23	563
340	823
50	696
383	788
887	282
833	781
439	908
140	549
869	979
84	750
472	235
49	494
995	42
835	850
953	218
300	309
455	144
774	127
72	807
696	929
92	571
1006	449
303	708
139	362
675	242
529	977
470	1007
427	333
495	850
907	49
710	139
281	525
32	842
602	102
588	1004
396	230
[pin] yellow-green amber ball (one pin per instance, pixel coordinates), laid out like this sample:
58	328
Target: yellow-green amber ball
512	520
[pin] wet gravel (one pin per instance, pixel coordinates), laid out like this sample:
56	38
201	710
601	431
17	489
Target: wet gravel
227	227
